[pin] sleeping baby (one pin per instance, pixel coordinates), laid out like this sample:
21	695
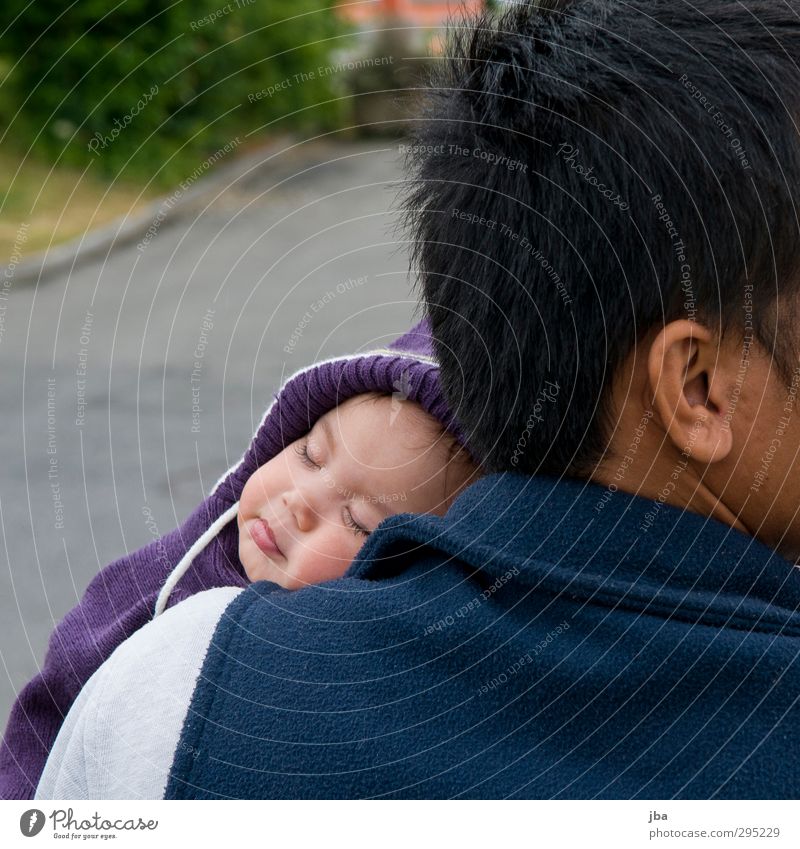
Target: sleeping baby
301	518
304	515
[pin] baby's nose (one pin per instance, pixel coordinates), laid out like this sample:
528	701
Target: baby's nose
302	509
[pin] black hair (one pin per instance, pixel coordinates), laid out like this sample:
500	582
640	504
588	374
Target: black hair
584	172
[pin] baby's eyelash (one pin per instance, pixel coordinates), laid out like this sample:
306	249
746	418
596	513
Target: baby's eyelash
358	530
302	450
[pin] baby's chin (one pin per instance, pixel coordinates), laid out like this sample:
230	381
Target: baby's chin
290	574
259	570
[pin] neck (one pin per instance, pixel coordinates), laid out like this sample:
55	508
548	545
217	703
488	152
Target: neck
653	467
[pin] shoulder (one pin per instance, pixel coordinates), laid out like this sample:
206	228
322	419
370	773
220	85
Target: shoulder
119	738
298	688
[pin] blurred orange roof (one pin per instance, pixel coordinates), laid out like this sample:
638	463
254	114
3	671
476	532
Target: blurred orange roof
430	13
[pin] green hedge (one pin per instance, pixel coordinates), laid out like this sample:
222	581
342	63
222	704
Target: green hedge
126	88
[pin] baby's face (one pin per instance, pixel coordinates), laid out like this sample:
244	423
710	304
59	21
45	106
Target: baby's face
304	515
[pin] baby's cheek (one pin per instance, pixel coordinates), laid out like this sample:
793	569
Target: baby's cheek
245	506
331	557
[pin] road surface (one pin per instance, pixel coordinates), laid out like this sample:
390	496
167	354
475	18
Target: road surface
132	384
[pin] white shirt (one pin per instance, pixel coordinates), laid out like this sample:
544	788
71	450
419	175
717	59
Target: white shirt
119	738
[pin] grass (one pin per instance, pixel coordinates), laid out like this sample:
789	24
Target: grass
43	207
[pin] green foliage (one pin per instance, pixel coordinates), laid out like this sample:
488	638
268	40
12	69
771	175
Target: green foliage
145	88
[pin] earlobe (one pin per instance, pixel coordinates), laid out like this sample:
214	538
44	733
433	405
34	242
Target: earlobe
687	391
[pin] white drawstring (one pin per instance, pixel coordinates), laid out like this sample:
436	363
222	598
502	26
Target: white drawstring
186	561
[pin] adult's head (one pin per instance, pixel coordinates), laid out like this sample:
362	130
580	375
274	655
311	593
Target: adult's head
602	202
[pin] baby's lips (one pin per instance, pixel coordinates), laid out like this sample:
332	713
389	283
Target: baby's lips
264	537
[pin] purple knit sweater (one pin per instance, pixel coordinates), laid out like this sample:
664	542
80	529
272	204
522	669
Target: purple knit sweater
122	597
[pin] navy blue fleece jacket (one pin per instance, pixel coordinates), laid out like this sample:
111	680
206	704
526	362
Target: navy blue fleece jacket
546	639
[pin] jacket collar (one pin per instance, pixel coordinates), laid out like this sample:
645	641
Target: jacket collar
613	548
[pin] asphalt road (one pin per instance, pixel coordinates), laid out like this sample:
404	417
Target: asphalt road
97	367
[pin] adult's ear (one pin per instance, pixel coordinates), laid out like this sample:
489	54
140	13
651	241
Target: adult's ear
690	381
